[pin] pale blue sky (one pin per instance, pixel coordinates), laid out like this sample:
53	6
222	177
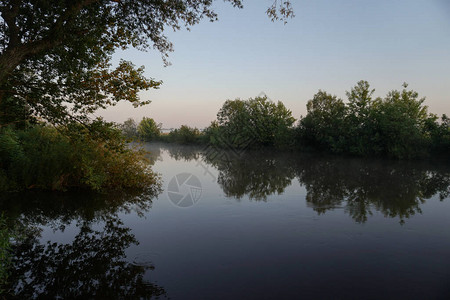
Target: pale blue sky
329	45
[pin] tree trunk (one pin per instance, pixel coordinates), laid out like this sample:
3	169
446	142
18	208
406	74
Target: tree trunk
9	60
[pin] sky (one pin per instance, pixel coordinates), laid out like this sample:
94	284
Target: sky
329	45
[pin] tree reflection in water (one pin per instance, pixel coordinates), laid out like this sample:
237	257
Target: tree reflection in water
185	153
93	264
359	186
253	174
396	189
256	174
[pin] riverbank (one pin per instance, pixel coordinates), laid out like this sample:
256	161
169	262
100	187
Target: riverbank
44	157
397	126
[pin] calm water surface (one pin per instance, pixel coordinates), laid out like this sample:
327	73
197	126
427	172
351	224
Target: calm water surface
251	225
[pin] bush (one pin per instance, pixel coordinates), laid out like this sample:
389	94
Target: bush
38	157
185	135
94	157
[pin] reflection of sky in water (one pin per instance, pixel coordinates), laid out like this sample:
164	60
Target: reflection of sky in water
281	246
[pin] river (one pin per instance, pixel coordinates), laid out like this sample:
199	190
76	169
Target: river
243	225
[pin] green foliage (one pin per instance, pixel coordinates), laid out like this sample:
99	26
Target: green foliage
212	134
397	126
55	65
362	138
322	126
401	120
35	157
94	157
14	112
439	133
57	52
256	121
148	129
185	135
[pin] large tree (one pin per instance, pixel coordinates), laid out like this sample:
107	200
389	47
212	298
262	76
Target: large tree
55	55
254	122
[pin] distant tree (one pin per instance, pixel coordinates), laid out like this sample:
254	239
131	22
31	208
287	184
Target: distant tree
360	132
232	120
258	121
211	134
360	99
185	135
401	118
148	129
440	134
397	126
129	128
324	124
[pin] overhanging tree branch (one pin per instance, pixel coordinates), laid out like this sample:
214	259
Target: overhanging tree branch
67	46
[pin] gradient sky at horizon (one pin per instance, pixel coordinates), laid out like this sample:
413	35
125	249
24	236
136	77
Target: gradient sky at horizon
329	45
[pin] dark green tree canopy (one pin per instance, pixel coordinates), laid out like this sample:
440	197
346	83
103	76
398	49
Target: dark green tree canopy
258	121
398	125
55	55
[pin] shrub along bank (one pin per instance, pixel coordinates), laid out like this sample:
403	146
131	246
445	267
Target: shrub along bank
95	157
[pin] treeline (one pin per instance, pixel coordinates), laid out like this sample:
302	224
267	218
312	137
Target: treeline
147	130
397	126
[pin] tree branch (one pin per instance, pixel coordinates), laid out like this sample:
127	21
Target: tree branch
16	52
9	15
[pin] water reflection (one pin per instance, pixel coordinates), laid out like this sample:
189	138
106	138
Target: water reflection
396	189
185	153
92	235
92	264
56	210
253	174
358	186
